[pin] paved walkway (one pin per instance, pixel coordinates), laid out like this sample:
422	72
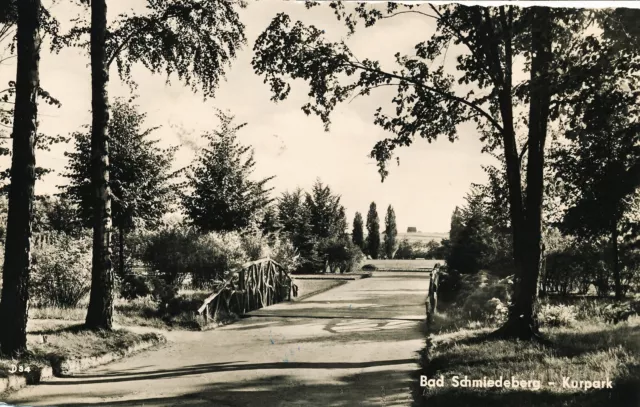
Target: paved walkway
354	345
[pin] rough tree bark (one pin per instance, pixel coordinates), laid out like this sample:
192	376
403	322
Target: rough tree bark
616	261
100	312
15	289
522	322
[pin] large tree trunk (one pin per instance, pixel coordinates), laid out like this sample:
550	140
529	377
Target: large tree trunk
99	315
15	289
522	322
615	260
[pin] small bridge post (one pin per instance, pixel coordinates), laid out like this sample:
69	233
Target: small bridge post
432	298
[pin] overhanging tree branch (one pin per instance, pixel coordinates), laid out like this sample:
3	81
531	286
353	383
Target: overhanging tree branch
446	95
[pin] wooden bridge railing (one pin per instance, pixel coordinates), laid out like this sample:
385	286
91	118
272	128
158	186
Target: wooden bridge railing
254	285
432	297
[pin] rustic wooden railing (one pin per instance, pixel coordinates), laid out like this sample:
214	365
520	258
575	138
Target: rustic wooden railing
432	297
254	285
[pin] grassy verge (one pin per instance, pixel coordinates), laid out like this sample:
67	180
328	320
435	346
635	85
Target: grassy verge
586	349
49	340
179	314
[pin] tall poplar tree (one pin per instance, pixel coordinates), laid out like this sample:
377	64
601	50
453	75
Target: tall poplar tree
357	234
390	233
372	244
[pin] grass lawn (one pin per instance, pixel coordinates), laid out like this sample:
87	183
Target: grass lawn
307	288
588	350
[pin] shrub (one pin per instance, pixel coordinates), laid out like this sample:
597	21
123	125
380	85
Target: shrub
284	253
500	311
61	271
217	254
132	287
484	297
163	293
450	284
340	253
556	315
254	245
177	251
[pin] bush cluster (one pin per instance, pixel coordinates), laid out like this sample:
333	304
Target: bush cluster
557	315
61	271
176	252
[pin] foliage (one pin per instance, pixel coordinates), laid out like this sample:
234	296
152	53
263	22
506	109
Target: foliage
284	253
316	225
432	249
339	253
60	273
372	243
8	43
484	297
621	312
133	287
326	214
177	251
222	196
254	245
557	315
475	241
163	292
56	214
593	164
357	234
557	47
294	215
405	250
390	233
193	39
139	171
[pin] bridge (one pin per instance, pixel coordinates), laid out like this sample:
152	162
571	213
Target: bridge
254	285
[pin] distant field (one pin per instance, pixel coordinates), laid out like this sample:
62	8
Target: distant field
407	265
422	237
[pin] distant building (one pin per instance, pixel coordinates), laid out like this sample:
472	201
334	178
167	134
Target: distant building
412	229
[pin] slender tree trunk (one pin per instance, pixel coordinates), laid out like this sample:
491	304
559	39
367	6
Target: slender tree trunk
522	322
99	314
616	261
15	288
512	160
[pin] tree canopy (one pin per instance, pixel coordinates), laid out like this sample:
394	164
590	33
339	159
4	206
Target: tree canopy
511	112
140	171
222	196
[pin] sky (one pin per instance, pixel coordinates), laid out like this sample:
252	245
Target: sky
431	180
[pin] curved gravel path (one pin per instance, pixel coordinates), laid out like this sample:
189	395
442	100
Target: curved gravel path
354	345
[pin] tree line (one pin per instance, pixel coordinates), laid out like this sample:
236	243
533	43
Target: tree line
516	119
194	40
371	243
573	59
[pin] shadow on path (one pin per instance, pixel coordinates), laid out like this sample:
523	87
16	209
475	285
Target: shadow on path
374	388
216	368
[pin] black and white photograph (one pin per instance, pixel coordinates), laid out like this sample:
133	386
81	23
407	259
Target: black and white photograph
279	203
